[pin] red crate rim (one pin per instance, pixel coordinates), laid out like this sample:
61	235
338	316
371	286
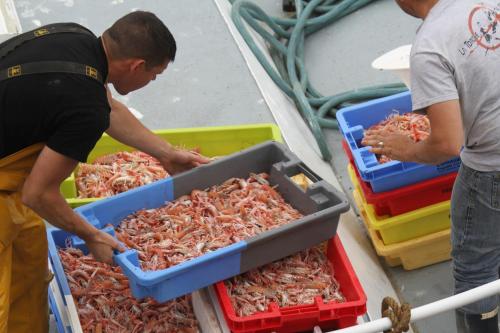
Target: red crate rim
347	151
371	196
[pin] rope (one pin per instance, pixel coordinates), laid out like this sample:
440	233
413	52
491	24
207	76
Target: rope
399	315
285	39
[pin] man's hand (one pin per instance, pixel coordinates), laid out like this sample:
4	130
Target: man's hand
179	160
101	245
391	144
444	142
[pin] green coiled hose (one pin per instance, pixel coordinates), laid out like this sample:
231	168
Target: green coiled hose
285	38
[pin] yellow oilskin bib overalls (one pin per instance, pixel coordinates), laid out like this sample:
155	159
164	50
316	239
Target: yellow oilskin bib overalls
24	275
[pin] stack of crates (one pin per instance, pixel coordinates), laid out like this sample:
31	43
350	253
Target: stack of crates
405	206
250	148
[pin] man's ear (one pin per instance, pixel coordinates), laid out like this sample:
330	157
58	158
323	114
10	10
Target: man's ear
136	64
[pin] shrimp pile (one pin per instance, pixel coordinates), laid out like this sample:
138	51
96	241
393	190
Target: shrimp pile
295	280
105	303
415	126
115	173
205	221
185	228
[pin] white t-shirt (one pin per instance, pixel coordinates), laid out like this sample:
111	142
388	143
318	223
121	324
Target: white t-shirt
456	55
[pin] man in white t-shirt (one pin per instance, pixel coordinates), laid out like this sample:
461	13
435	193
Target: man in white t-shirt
455	68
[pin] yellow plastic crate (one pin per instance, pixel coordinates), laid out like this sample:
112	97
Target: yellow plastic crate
211	141
399	228
411	254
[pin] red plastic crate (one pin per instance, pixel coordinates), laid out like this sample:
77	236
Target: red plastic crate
304	317
408	198
348	152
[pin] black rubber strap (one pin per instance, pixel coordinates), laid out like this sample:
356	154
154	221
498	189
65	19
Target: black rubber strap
14	42
43	67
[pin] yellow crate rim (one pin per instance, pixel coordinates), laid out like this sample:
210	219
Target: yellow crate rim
396	248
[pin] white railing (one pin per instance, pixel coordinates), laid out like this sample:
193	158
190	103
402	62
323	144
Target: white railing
431	309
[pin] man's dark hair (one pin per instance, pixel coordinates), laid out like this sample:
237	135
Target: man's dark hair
141	35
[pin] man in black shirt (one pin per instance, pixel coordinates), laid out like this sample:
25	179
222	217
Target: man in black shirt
54	106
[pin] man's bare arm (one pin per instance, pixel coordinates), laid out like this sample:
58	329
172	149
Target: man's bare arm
41	193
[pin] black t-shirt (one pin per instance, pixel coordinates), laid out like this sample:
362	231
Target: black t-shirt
69	112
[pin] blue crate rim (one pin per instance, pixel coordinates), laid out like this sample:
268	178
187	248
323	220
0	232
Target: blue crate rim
340	113
55	311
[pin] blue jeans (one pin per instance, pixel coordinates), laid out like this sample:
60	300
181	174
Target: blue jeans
475	233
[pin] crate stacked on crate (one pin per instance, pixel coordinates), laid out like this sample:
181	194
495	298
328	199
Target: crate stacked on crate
320	205
405	206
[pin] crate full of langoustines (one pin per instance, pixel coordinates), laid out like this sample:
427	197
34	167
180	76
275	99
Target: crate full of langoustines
314	287
213	222
391	113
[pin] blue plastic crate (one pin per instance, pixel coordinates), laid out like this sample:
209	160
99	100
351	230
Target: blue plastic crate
61	301
321	204
55	312
354	120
